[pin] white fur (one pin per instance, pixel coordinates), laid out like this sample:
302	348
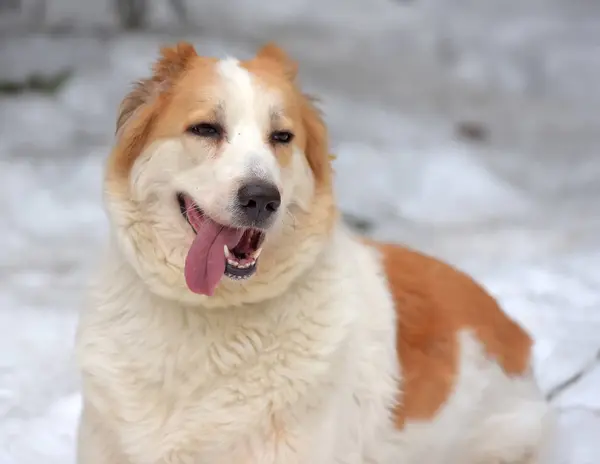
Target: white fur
179	384
248	108
298	369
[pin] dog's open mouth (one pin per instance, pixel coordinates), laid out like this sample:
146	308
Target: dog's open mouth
217	249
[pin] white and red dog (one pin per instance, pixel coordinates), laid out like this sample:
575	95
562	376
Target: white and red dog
237	321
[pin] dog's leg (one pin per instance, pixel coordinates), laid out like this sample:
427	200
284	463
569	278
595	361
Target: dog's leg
95	444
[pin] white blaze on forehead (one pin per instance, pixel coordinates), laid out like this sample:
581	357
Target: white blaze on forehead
238	84
247	111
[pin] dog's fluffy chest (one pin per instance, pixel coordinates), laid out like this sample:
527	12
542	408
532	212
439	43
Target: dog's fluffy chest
177	380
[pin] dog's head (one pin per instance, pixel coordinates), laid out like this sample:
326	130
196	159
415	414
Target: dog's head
217	162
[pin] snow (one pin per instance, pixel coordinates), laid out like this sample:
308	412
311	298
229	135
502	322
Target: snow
520	211
579	440
432	190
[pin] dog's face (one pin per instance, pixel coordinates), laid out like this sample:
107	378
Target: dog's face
216	161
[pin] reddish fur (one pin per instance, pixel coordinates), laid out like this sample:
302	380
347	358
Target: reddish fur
434	302
272	52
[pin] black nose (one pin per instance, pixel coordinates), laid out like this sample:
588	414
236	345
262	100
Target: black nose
258	201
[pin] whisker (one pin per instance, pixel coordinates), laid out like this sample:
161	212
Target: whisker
192	207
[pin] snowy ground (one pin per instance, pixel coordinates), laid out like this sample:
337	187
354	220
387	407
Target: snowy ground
520	209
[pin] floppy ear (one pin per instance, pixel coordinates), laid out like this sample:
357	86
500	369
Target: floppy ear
139	109
271	51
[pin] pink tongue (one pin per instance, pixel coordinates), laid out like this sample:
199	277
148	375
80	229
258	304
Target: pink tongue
205	262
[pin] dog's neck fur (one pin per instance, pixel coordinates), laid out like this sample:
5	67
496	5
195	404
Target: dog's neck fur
304	238
273	332
129	281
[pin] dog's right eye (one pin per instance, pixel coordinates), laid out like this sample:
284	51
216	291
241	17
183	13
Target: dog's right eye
206	129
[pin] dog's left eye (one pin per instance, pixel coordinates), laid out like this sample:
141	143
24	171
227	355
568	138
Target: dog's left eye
283	137
207	130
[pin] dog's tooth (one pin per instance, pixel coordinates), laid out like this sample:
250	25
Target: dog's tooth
226	250
256	254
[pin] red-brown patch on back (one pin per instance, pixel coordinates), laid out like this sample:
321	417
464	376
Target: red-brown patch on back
140	109
434	302
275	68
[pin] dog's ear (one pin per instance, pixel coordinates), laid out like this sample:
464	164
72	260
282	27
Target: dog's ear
317	142
143	92
139	109
171	64
272	52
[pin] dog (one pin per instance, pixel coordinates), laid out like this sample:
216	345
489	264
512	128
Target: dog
235	319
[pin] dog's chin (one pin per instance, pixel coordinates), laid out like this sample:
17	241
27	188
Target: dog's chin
218	250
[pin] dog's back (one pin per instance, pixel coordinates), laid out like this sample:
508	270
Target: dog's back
465	366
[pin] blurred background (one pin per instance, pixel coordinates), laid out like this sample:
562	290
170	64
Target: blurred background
467	128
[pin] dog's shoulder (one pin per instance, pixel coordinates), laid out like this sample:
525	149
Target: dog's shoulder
434	303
